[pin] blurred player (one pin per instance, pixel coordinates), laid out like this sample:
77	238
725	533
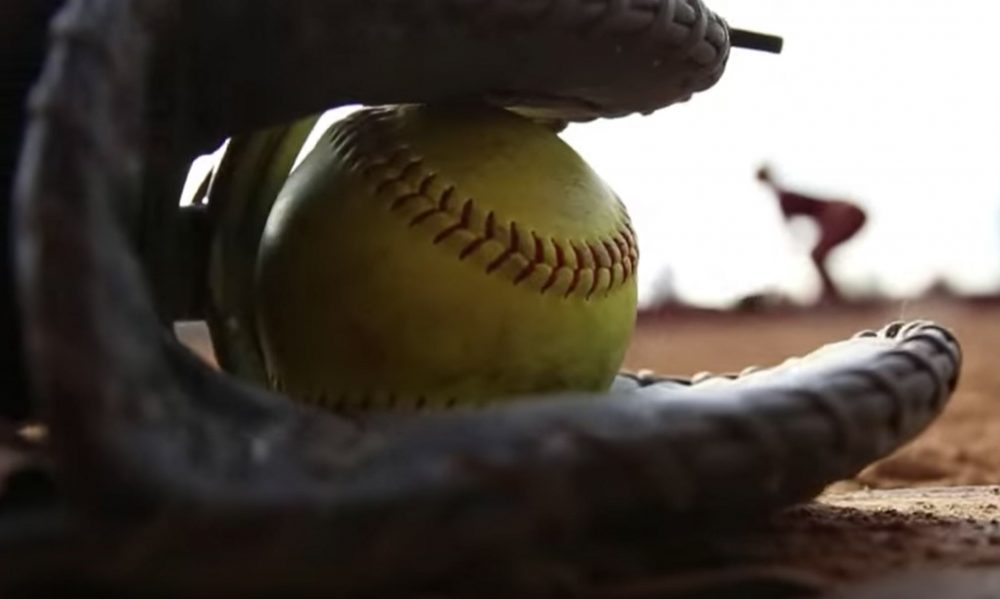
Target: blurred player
837	220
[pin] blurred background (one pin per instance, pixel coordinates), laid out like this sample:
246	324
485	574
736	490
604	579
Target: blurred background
893	105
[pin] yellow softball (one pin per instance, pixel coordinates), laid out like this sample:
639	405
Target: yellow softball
437	256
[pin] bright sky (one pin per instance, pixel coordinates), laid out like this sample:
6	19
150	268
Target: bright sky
894	104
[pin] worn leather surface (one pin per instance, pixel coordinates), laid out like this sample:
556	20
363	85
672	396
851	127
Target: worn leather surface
170	476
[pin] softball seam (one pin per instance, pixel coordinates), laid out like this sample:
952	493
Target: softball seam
415	193
346	402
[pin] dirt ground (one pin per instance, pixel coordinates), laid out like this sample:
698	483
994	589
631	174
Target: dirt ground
961	448
922	523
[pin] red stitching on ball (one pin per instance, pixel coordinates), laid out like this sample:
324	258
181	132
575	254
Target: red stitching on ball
619	248
525	273
471	248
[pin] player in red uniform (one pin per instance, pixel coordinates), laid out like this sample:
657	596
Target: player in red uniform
838	221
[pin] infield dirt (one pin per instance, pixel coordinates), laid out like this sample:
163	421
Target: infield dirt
961	448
